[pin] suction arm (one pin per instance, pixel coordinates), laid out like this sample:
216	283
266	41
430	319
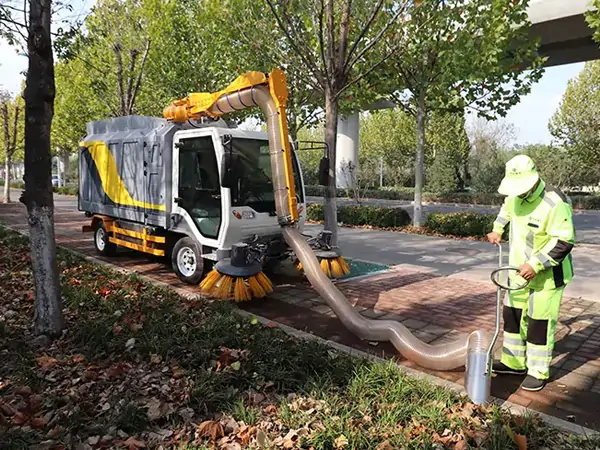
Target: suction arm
270	94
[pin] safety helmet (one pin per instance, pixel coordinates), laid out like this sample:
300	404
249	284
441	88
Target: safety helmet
520	177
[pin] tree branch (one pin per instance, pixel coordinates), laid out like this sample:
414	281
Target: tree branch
130	77
344	31
13	144
139	78
319	33
365	30
350	62
117	50
292	43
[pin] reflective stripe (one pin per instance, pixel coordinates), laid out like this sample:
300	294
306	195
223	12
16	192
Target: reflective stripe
516	353
530	313
549	201
529	245
543	259
538	353
514	341
538	365
501	220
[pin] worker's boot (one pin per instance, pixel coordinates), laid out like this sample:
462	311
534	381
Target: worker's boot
531	383
502	369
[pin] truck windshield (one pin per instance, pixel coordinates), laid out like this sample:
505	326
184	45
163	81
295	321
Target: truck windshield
255	185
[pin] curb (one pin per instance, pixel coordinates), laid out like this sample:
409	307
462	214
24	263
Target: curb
512	407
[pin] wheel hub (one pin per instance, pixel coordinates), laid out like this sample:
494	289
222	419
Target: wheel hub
186	261
100	239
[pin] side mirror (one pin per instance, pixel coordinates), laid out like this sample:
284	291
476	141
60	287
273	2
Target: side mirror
324	171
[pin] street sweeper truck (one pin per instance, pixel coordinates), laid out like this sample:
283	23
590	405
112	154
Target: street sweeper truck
214	179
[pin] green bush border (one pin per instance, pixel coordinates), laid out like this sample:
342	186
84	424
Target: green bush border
591	202
62	190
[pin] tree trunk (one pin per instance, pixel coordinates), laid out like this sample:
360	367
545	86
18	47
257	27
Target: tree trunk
418	207
331	119
39	110
7	179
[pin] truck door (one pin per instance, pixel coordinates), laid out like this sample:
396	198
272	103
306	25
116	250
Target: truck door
199	188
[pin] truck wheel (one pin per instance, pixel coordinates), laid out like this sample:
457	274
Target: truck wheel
187	261
103	247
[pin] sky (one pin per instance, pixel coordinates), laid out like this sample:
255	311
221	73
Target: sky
530	117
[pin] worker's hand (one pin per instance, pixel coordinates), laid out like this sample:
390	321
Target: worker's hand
494	238
527	272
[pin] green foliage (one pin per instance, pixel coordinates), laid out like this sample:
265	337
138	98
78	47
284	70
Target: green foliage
376	216
592	17
460	224
561	168
573	124
442	174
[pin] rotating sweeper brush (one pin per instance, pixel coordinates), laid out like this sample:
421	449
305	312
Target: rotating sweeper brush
238	277
331	261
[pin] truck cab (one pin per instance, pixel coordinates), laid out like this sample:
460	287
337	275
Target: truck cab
242	209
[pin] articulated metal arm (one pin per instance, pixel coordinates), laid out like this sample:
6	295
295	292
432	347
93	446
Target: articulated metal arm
269	92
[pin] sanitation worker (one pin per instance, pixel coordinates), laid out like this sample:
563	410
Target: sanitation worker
540	222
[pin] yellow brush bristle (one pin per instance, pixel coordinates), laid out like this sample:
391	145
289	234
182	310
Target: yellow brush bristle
241	292
336	269
224	290
255	287
299	266
344	265
325	267
210	281
265	283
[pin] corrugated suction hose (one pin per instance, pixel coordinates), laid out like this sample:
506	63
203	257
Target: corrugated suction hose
470	351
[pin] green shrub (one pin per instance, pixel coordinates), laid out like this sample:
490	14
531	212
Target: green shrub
65	190
376	216
462	224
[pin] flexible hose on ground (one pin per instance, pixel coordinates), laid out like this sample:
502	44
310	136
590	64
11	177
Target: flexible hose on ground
470	351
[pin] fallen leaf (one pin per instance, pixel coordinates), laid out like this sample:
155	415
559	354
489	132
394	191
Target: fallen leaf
521	441
461	445
385	445
35	402
210	429
261	438
55	432
78	358
254	321
37	422
19	418
132	443
24	391
340	442
236	365
46	362
93	440
155	359
6	409
130	343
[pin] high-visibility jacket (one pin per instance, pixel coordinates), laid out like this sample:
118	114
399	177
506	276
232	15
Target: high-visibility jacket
541	234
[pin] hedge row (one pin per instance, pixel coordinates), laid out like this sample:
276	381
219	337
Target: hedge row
579	201
448	224
376	216
63	190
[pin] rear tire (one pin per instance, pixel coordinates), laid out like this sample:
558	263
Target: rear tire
103	246
187	261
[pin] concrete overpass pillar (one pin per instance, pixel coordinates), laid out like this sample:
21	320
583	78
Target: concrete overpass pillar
347	149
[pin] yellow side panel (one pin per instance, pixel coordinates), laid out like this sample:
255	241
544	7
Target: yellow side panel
138	235
111	181
138	247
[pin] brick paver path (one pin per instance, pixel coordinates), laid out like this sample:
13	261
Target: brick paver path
436	309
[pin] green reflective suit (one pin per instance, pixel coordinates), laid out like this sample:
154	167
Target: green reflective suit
541	235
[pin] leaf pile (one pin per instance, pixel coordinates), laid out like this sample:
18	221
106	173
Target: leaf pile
139	367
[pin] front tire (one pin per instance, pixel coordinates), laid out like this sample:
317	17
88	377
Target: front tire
187	261
103	246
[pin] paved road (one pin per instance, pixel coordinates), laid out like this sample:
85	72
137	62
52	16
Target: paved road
448	257
587	223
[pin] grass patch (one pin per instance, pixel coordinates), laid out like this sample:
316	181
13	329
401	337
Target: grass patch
140	365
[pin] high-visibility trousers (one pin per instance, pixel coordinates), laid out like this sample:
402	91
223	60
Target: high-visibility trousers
529	324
